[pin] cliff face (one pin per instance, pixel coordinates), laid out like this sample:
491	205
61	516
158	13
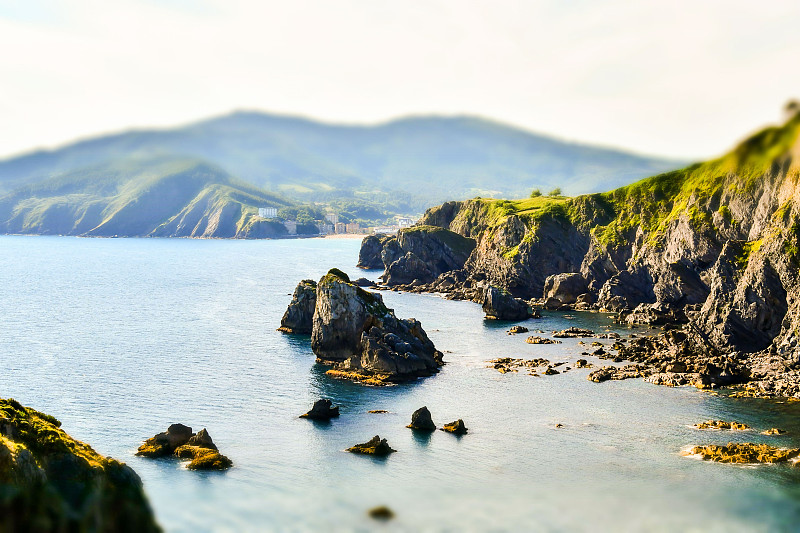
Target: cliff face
51	482
719	241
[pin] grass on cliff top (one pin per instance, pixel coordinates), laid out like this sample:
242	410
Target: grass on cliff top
654	202
41	434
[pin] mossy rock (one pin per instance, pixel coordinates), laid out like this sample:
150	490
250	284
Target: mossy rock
375	446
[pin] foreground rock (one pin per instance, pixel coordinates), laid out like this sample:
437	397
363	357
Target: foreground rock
456	428
375	446
52	482
721	424
298	317
421	420
500	305
179	441
566	288
744	453
322	410
362	339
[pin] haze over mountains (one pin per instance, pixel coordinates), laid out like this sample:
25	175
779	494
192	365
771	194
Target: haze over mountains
403	166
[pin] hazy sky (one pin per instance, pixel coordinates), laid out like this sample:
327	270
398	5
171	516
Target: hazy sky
677	78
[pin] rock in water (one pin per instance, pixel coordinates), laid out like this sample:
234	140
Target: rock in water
500	305
456	428
300	313
421	420
517	329
179	441
744	453
164	444
51	482
322	410
375	446
364	340
369	257
721	424
381	513
773	431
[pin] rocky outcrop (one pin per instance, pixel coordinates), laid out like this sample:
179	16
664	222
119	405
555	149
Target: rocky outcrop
722	424
421	420
566	288
322	410
363	340
369	257
456	428
375	446
744	453
500	305
299	316
51	482
419	254
179	441
714	246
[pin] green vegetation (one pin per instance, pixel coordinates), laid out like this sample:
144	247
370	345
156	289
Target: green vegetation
535	193
339	274
555	192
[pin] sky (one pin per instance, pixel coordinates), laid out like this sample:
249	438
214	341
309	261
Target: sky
683	79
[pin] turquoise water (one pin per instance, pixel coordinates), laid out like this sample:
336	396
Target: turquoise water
118	338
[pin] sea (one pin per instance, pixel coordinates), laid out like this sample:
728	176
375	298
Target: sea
119	338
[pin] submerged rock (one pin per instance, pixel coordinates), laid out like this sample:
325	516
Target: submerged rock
375	446
500	305
744	453
381	513
421	420
52	482
456	428
721	424
355	332
298	317
322	410
179	441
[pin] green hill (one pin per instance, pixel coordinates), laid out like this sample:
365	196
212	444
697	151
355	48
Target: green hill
166	196
407	164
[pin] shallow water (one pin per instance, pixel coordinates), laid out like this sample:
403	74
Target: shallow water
118	338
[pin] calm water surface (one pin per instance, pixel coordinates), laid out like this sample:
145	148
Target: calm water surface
118	338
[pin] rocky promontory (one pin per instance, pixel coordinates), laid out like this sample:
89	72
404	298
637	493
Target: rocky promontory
710	252
362	339
52	482
300	313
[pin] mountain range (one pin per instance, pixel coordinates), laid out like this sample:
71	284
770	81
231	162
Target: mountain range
403	166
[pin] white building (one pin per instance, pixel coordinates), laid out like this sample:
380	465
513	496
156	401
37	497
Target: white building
404	222
325	229
333	218
267	212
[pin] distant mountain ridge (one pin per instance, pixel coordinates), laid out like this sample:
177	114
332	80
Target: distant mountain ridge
429	158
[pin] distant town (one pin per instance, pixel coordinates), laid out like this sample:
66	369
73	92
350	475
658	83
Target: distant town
332	226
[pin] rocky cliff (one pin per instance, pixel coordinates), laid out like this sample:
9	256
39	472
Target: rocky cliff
51	482
352	330
716	244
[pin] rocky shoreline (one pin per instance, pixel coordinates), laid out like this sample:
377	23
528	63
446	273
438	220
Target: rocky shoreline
710	253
